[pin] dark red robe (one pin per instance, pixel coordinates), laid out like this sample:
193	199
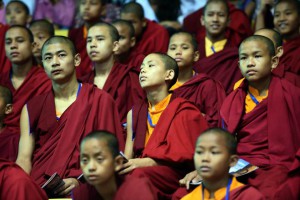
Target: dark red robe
222	66
290	57
239	22
206	93
57	142
268	136
16	184
123	85
77	37
127	189
9	144
154	38
171	144
282	72
134	60
4	61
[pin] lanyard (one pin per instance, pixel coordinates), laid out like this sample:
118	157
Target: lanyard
150	121
213	49
253	98
227	189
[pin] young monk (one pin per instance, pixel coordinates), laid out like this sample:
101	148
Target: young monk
124	54
100	161
215	153
287	22
262	108
17	13
120	81
24	79
41	31
150	36
207	94
53	124
161	134
90	11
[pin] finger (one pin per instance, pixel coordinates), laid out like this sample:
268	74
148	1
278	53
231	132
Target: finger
187	185
67	190
60	189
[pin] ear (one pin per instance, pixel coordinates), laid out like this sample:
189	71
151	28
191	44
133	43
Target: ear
233	160
169	75
274	61
144	22
33	45
196	56
228	20
116	46
103	10
8	109
132	42
202	20
77	60
279	51
29	19
118	163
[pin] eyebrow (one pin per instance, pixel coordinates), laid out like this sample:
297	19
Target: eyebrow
57	52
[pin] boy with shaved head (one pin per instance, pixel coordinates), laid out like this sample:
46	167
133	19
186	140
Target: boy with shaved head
259	111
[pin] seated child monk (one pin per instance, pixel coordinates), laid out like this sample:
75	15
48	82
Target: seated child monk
100	162
41	31
53	124
127	41
17	13
150	36
286	21
215	153
218	35
206	93
16	184
90	12
262	108
24	79
161	134
120	81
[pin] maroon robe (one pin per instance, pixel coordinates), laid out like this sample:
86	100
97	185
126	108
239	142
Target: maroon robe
290	57
282	72
206	93
123	85
134	60
221	66
16	184
154	38
57	142
127	189
4	61
9	145
239	22
268	136
171	144
77	37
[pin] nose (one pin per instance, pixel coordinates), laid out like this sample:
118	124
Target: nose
13	44
215	17
250	62
55	61
91	166
206	157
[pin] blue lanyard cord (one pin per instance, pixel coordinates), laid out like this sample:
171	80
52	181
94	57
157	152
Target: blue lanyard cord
150	121
213	49
253	98
227	189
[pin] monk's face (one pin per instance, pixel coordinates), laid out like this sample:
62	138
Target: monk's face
91	10
100	46
287	19
255	61
59	62
40	36
18	47
182	50
137	23
15	14
125	41
97	162
215	19
212	158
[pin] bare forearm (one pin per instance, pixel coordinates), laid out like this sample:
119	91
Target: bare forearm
24	164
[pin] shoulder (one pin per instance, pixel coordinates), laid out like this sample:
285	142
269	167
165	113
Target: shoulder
85	192
195	194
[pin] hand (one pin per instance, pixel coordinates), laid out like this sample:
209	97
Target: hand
136	163
70	184
190	177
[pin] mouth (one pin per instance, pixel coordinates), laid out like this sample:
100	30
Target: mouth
142	78
215	26
92	178
250	72
282	25
178	59
205	169
14	54
93	53
56	71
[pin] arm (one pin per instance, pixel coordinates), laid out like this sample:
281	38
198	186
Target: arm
190	177
260	18
129	141
26	144
137	163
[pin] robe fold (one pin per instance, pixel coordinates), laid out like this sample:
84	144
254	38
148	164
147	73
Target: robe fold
222	66
239	22
5	64
77	37
154	38
268	136
123	85
282	72
9	144
172	143
206	93
58	142
16	184
290	57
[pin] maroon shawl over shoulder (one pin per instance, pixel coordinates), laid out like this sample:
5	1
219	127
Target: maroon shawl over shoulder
57	142
290	57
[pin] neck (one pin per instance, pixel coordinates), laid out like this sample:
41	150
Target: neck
107	191
262	87
155	96
123	57
216	38
90	24
213	186
104	68
291	36
66	90
185	74
21	70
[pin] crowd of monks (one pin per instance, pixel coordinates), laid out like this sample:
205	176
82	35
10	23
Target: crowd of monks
155	92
